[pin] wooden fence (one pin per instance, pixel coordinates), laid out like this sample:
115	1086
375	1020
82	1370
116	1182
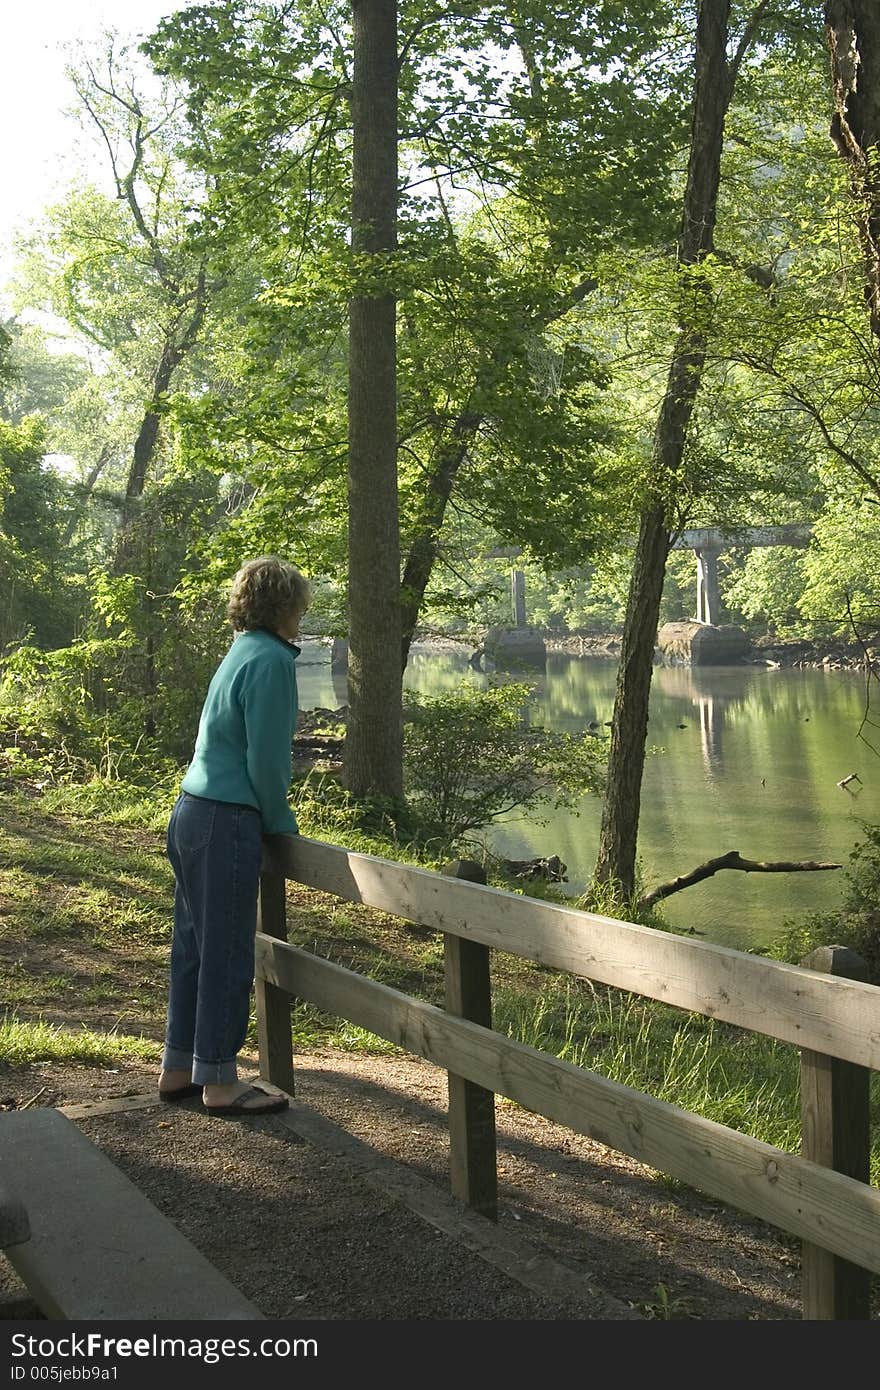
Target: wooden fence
822	1196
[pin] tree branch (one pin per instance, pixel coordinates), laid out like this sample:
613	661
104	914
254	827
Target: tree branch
731	860
748	34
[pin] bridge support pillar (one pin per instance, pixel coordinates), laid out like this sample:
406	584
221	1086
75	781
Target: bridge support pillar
518	597
708	595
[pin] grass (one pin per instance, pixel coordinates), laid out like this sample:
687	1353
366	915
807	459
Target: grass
115	802
736	1078
23	1042
84	913
664	1307
85	923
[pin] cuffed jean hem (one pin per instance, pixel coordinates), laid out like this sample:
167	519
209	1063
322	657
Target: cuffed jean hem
176	1059
203	1073
214	1073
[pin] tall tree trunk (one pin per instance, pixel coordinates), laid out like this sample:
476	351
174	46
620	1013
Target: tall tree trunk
84	494
620	814
142	454
374	738
853	28
145	444
175	349
426	539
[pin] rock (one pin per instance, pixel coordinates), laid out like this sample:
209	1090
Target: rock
691	643
552	869
319	720
465	868
515	645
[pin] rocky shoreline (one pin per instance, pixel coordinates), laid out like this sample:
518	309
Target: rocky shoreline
832	655
829	654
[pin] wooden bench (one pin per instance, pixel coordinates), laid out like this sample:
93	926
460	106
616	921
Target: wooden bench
87	1242
14	1224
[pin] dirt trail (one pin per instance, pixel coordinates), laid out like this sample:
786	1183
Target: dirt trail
340	1209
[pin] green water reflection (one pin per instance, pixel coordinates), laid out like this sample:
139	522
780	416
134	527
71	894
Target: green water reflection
746	759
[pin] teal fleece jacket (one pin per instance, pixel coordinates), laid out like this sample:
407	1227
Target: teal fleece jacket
243	748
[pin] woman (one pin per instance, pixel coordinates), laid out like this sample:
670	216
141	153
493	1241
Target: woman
234	792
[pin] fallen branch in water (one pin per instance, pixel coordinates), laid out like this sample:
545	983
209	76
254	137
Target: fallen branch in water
732	860
845	781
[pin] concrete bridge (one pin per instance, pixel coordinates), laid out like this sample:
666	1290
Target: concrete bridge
707	544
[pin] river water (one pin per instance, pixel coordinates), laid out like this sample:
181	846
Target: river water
743	758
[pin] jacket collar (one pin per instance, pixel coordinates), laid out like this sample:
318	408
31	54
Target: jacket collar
288	646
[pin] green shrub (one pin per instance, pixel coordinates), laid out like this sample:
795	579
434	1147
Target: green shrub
102	707
50	720
470	759
856	923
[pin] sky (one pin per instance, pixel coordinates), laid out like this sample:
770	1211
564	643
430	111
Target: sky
38	146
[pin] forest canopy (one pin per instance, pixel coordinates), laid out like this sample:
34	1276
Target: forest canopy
190	403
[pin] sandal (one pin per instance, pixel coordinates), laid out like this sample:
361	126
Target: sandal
180	1093
240	1106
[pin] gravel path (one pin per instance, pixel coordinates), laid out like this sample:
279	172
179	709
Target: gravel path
339	1208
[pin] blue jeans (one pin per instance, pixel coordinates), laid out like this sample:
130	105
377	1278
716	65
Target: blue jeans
216	850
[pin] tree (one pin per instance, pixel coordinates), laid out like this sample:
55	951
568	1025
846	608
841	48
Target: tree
715	75
133	274
373	744
810	347
140	276
87	420
34	600
853	28
496	240
142	164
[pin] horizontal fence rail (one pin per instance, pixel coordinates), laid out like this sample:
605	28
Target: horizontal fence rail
830	1015
815	1203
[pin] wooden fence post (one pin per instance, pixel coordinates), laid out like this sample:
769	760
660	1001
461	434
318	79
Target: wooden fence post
274	1031
472	1153
836	1132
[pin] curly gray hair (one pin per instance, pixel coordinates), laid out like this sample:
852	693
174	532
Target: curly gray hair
265	592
